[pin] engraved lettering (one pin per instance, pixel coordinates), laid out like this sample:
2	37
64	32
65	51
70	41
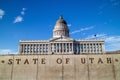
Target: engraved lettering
10	61
109	60
91	60
67	60
83	61
43	61
18	61
35	60
59	60
100	60
26	61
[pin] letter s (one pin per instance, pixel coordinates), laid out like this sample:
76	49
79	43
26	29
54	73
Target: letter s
10	61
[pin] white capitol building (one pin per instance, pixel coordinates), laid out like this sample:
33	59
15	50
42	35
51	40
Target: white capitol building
61	43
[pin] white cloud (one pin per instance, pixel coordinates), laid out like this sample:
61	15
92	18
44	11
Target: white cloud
115	2
87	28
7	51
2	13
112	43
23	11
107	4
18	19
96	36
69	25
82	29
113	38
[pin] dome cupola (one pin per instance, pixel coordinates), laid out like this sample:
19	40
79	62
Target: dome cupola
61	28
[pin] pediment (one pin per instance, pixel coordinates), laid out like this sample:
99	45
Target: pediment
61	39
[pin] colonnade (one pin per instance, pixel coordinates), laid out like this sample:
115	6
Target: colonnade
89	47
33	48
61	48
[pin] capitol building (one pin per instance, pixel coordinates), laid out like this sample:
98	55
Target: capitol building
61	43
60	58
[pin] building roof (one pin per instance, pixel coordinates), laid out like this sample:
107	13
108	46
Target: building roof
61	24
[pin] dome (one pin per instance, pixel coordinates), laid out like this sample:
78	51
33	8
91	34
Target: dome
61	28
61	20
61	24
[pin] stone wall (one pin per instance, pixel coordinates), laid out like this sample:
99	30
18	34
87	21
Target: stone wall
60	67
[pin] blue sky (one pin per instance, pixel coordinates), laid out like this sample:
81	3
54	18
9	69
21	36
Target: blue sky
35	20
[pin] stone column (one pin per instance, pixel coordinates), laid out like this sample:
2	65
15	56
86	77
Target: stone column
63	48
55	48
98	48
23	49
20	49
69	47
83	48
72	48
90	47
46	48
26	48
33	49
49	48
41	48
93	49
80	48
30	48
38	48
59	48
77	48
87	48
103	48
66	48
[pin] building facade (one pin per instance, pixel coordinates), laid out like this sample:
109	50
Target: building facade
61	43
